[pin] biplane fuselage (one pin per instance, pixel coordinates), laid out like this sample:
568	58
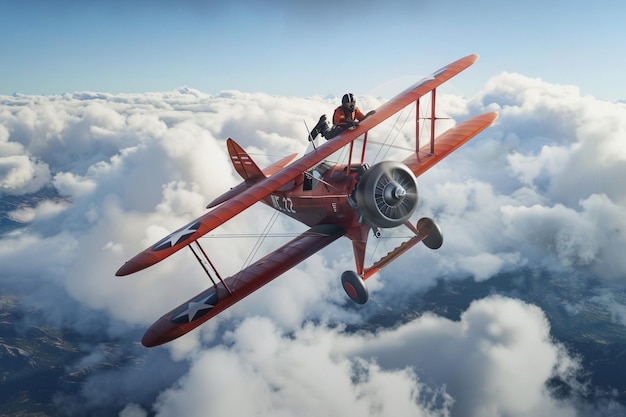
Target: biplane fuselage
320	200
332	200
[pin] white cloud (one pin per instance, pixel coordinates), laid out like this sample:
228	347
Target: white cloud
69	184
495	361
538	188
590	237
284	375
43	211
133	410
21	174
8	148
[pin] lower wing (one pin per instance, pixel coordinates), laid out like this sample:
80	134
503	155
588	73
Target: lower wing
215	299
447	142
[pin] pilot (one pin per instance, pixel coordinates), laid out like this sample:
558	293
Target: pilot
345	117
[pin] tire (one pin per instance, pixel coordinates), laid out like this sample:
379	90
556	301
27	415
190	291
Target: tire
355	287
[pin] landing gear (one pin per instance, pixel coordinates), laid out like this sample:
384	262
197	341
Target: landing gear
434	239
355	287
426	231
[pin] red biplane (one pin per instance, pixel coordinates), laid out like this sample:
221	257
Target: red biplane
349	200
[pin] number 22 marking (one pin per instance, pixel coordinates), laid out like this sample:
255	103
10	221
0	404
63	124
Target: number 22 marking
283	204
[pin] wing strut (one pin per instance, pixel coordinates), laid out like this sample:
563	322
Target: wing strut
363	148
433	96
206	264
433	118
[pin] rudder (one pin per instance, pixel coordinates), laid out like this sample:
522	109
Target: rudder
244	165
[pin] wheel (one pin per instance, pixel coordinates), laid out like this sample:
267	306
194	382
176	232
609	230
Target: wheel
355	287
434	240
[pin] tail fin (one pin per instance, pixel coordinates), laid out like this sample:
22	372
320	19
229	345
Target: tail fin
244	165
249	171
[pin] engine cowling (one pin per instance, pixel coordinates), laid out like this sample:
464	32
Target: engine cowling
386	194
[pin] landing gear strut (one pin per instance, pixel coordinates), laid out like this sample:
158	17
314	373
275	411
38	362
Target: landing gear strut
426	231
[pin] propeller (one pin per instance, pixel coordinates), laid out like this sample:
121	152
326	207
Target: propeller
386	194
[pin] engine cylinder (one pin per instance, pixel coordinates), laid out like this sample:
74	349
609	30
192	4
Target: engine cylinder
386	194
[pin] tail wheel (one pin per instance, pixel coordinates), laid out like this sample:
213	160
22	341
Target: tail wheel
355	287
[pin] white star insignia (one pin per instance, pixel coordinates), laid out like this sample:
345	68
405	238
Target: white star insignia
176	236
194	306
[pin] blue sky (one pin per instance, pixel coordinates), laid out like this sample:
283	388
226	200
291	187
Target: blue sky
304	48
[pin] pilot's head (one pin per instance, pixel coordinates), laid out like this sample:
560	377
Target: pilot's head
348	101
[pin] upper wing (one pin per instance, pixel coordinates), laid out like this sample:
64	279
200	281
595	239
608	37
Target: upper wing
414	92
408	96
447	142
215	299
263	188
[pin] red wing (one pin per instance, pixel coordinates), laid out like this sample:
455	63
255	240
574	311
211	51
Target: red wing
263	188
447	142
408	96
212	301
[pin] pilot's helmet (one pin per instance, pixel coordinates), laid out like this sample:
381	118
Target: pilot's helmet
348	101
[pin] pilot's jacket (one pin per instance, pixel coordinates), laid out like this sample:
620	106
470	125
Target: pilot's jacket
341	115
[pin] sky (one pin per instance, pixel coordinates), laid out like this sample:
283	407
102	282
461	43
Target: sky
303	48
103	119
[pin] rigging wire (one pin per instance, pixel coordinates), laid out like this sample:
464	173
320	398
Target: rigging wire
255	235
398	129
261	239
282	235
267	155
402	148
384	143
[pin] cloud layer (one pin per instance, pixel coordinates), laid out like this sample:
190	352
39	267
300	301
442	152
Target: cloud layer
119	172
494	361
